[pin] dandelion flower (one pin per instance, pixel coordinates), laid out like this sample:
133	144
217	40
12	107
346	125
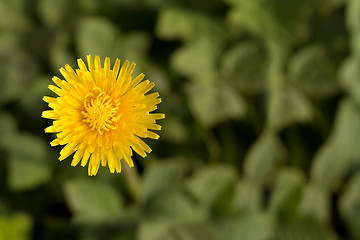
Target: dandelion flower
100	114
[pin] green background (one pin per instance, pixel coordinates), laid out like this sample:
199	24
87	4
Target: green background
262	129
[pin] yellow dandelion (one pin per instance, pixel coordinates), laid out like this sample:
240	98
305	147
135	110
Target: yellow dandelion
101	114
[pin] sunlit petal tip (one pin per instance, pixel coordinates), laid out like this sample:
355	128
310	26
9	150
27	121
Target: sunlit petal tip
81	64
49	114
97	63
54	142
74	163
50	129
55	89
152	135
48	99
90	63
62	71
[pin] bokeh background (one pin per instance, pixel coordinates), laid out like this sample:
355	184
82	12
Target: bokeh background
262	130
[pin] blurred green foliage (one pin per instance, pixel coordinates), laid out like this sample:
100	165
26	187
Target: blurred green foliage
262	104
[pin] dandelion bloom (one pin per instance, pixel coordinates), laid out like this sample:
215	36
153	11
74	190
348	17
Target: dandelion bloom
101	114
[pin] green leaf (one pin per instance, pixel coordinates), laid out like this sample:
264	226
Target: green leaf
96	36
91	6
333	161
162	3
154	230
133	47
213	102
277	20
26	161
353	17
13	18
9	41
287	106
353	23
60	52
92	201
47	13
26	145
8	125
312	72
262	158
349	74
196	231
303	228
248	227
161	177
175	207
350	206
197	57
186	25
25	174
315	203
338	153
287	192
15	227
247	197
31	101
174	130
213	186
14	81
329	6
244	66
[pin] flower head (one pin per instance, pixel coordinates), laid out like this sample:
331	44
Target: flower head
101	114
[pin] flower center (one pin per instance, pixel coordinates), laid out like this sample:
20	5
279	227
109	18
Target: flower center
101	112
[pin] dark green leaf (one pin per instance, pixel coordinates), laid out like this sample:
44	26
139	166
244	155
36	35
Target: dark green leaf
247	197
60	53
155	230
161	177
353	23
31	101
287	192
248	227
26	161
315	203
7	125
303	228
186	25
134	47
350	206
174	130
15	227
92	201
17	71
313	73
244	65
195	231
25	174
262	158
13	17
96	36
287	106
349	74
213	102
277	20
47	13
197	58
336	156
174	207
213	186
